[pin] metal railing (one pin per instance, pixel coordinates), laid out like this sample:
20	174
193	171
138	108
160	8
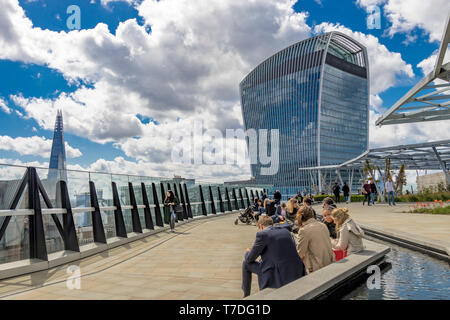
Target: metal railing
34	224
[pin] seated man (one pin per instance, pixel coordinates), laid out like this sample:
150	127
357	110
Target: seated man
280	263
308	202
328	202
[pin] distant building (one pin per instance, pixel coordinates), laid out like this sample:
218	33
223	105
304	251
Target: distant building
178	179
251	181
433	182
57	167
316	93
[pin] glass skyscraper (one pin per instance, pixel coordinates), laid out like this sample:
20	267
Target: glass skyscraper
316	93
57	167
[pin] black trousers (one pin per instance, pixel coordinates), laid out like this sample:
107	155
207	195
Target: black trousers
247	270
367	196
336	197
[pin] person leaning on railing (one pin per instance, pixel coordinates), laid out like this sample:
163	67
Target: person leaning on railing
313	241
349	233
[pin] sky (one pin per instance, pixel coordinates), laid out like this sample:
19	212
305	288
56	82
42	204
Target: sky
139	71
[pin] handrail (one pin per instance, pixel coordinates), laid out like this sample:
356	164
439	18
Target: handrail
54	211
40	204
16	212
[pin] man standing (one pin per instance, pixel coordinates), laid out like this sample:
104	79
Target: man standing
366	190
346	191
277	197
299	197
277	267
336	191
389	187
373	191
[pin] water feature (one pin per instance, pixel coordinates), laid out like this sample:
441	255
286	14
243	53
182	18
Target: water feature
413	276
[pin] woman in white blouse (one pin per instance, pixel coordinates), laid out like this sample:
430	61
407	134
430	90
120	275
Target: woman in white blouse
349	234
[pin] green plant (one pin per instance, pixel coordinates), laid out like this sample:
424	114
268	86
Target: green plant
433	207
400	180
353	198
423	197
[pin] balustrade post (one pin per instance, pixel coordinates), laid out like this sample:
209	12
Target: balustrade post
121	231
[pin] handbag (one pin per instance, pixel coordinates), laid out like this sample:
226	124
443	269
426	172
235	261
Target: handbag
178	208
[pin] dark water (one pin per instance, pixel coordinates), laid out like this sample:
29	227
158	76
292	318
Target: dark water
413	276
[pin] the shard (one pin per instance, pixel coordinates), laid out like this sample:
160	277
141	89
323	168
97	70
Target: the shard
57	167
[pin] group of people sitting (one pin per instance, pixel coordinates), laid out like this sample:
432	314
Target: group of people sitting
292	241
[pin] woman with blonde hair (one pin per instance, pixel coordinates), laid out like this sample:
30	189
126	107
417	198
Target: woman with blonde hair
313	241
291	210
349	234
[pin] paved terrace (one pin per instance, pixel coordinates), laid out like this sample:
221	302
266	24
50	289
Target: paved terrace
435	227
201	261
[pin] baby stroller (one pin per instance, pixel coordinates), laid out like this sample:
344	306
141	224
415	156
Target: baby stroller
246	217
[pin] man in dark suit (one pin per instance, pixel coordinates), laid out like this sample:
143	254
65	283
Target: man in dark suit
280	262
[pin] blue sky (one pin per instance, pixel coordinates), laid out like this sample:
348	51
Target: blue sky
30	80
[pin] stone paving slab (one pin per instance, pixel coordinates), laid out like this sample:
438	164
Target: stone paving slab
201	261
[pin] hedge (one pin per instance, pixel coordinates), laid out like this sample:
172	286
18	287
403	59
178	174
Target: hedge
419	197
353	197
423	197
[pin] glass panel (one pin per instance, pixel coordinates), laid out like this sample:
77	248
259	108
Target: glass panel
14	244
136	181
124	197
53	238
79	194
103	187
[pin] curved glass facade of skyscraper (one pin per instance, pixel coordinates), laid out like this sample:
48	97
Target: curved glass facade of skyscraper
316	93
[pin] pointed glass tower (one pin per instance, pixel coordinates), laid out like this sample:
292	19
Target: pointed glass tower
57	168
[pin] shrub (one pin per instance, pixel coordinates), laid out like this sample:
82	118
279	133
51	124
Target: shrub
423	197
353	198
433	208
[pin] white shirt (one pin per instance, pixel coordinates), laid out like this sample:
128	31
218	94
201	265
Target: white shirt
389	186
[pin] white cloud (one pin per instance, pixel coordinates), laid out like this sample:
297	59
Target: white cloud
106	2
376	102
405	16
38	146
427	65
368	3
428	15
187	68
4	107
104	113
189	63
386	68
392	135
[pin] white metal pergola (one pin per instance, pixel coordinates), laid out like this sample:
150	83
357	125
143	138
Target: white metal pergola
419	156
427	100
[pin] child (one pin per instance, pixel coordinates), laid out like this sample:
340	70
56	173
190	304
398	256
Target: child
283	210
